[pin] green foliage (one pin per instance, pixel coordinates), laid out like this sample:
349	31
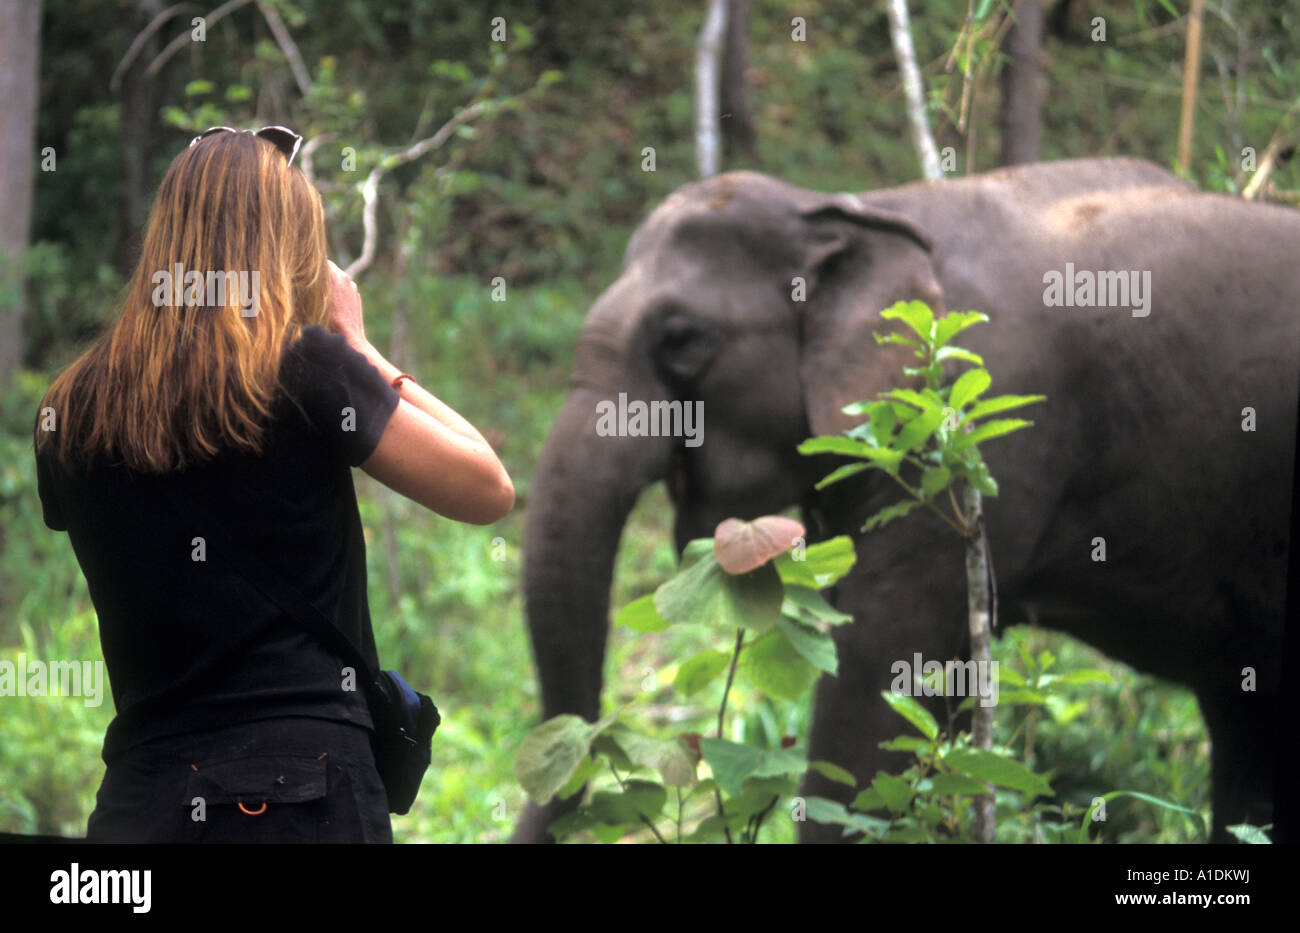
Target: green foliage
935	431
773	601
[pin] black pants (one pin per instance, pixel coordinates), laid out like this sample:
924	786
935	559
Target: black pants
292	779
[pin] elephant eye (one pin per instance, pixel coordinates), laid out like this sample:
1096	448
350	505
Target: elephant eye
683	347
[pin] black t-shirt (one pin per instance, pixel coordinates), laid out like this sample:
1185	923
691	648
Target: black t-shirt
188	643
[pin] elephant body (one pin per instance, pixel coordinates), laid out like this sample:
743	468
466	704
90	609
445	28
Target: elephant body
1167	437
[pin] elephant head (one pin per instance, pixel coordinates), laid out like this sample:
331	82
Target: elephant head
749	297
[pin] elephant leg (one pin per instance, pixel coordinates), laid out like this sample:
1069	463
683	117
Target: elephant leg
1244	732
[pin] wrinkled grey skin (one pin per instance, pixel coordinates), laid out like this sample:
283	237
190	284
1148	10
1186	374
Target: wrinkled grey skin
1140	441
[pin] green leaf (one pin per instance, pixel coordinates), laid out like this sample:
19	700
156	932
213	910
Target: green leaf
1247	833
698	672
833	813
913	398
891	512
640	615
916	315
705	594
637	799
550	753
982	480
990	429
1083	676
670	757
869	799
956	784
895	792
817	649
882	339
934	480
834	772
810	607
1107	798
822	563
953	323
774	666
732	762
918	430
958	353
882	419
987	766
970	385
844	472
906	743
991	406
198	87
913	712
586	770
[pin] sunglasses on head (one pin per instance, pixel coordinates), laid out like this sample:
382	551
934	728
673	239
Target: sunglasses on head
283	138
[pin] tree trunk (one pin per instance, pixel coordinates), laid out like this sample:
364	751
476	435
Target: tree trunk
901	33
737	121
1022	101
708	58
20	33
977	590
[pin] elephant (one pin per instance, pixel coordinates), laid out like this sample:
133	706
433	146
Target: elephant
1167	436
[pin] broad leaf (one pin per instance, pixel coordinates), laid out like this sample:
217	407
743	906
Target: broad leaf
670	757
640	615
550	753
698	672
933	480
991	406
969	386
891	512
822	564
732	762
817	649
985	765
775	666
915	314
919	430
953	323
705	594
913	712
810	607
741	546
990	429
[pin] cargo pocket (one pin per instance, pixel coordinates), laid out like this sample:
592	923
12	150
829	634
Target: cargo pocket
266	798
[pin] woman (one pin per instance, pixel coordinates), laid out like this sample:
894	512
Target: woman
219	391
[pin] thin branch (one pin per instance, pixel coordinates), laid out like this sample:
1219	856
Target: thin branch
138	42
370	187
180	41
287	46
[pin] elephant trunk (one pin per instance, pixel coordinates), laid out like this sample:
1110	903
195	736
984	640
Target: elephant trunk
584	487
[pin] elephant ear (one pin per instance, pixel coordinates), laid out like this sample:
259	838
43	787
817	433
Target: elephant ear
856	260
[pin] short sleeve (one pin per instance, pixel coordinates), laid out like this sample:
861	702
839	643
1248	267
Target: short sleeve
347	400
50	509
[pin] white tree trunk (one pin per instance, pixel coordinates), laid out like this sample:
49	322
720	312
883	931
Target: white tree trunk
901	33
977	594
20	31
708	60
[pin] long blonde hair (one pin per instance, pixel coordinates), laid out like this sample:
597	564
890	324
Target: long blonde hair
172	382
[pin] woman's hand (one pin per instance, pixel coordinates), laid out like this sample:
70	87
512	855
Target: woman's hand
345	307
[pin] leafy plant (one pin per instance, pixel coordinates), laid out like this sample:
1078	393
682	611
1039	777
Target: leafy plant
756	585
